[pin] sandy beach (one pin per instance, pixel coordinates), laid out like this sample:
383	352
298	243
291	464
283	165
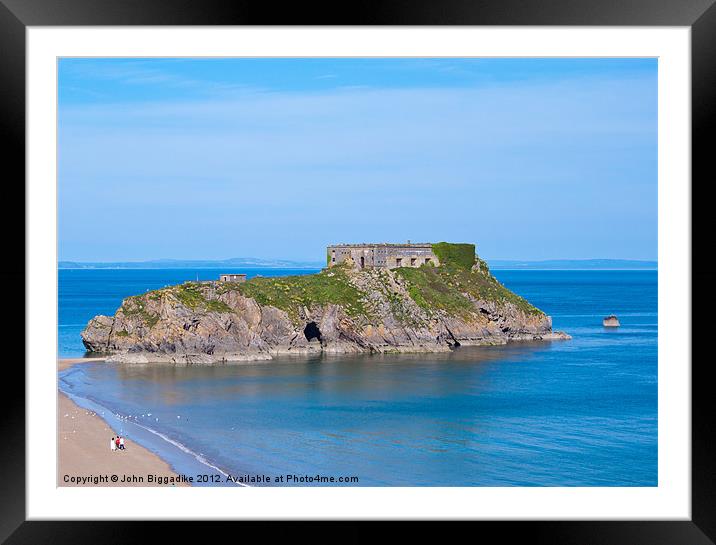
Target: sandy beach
83	450
65	363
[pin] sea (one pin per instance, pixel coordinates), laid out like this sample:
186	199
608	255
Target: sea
581	412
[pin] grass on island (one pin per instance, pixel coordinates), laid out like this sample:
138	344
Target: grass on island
399	308
191	295
445	287
291	293
188	294
135	306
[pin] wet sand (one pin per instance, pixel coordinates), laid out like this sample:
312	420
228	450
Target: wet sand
64	364
84	448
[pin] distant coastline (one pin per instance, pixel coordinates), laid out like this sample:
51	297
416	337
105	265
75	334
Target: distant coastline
233	263
574	264
257	263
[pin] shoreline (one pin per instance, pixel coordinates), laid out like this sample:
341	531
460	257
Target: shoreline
66	363
267	356
83	454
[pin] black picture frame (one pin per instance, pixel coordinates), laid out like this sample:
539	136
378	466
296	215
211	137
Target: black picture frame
16	15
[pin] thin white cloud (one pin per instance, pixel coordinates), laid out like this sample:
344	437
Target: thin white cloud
146	73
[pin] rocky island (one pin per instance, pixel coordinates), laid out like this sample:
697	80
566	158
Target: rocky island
393	302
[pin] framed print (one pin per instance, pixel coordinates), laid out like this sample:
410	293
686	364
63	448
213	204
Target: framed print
411	266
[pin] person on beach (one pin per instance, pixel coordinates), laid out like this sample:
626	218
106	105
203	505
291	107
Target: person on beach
112	445
121	442
116	442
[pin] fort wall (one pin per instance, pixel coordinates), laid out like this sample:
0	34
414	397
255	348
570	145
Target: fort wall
384	255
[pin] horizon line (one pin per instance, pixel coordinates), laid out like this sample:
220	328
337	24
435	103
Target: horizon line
307	261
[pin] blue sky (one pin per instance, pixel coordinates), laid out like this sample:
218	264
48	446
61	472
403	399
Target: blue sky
277	158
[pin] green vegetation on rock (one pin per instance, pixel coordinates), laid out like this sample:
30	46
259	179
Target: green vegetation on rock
450	287
290	293
398	308
134	306
460	255
191	295
214	305
432	290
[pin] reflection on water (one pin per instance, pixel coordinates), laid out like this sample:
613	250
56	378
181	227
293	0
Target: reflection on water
380	375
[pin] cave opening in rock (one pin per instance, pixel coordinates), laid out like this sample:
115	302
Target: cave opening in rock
311	331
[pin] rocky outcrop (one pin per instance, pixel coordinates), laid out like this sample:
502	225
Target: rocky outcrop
340	310
611	321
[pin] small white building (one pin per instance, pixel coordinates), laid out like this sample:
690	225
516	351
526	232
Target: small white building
232	278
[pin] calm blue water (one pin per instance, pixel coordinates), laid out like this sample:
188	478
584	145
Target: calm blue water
570	413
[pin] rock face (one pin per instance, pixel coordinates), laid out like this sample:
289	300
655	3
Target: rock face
341	310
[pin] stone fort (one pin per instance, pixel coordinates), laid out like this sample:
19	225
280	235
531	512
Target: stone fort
383	255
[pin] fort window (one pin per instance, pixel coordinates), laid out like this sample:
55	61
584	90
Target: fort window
412	261
398	261
427	260
362	262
